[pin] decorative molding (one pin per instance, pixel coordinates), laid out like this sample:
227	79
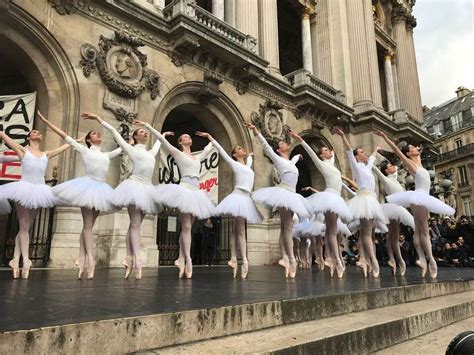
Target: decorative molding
66	7
121	114
122	67
182	49
269	121
210	88
244	76
4	5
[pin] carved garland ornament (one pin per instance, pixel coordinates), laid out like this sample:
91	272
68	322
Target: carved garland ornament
269	121
122	67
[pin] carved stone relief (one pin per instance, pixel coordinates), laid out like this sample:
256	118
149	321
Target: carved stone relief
269	121
65	7
210	88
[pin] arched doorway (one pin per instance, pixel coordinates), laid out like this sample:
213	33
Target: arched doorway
182	113
32	60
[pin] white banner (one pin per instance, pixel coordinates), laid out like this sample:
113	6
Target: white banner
208	178
17	114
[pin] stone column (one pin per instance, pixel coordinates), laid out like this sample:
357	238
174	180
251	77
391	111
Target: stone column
358	50
306	40
387	65
403	62
269	33
372	57
314	43
395	82
416	105
159	4
246	19
229	12
218	9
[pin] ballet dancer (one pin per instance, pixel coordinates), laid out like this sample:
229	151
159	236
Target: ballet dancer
387	175
239	203
4	204
283	197
29	194
136	191
90	192
364	206
186	197
329	202
419	201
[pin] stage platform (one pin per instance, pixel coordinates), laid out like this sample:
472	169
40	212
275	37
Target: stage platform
56	302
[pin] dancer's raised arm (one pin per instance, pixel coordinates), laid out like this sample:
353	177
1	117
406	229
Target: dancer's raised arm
51	125
160	136
266	147
17	148
410	165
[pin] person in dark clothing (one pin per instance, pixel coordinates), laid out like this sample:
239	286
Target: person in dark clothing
404	247
209	242
466	229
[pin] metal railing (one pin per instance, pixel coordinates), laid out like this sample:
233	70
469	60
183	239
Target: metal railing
456	153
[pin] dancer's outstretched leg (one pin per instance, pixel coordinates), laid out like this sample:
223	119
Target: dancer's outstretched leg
284	261
422	214
187	221
88	218
233	248
366	234
240	223
26	218
136	218
340	249
393	234
419	214
331	234
317	244
286	218
393	224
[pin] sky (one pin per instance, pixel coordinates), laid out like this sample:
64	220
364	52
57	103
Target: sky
444	44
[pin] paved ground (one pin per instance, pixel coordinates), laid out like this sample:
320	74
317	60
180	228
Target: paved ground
55	297
432	343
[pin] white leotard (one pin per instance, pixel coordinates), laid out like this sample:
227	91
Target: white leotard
362	172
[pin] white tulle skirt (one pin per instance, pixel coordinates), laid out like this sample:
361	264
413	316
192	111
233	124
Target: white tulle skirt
398	213
28	194
326	201
421	198
379	226
186	200
365	205
278	197
239	204
133	192
85	192
4	207
315	229
343	229
299	227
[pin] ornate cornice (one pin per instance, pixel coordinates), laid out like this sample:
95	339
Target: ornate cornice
66	7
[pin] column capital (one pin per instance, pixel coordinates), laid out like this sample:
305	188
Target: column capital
306	12
399	14
410	23
389	55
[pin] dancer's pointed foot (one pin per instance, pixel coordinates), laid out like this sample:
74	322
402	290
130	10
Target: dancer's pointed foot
340	269
363	266
233	264
80	265
179	263
422	265
91	271
292	268
245	269
402	267
376	270
25	271
138	269
433	268
393	265
188	269
15	265
284	262
320	263
127	262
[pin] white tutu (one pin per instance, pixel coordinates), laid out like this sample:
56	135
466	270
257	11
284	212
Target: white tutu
398	213
299	227
278	197
28	194
133	192
4	207
185	200
379	227
421	198
365	205
326	201
85	192
343	229
239	204
314	229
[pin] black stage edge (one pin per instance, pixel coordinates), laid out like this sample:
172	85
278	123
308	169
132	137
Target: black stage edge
56	297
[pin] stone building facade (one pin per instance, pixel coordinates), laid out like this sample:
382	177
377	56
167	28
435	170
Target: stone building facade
451	125
211	65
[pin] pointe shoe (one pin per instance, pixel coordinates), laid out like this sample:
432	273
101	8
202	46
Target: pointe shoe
320	263
393	266
245	269
340	270
127	262
25	271
80	267
91	273
188	270
14	264
179	263
423	267
292	269
376	271
433	268
403	268
286	265
233	264
138	270
363	267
